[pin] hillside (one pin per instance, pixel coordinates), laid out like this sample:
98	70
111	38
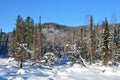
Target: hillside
62	34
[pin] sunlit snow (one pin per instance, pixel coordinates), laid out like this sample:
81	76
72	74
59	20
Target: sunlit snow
9	70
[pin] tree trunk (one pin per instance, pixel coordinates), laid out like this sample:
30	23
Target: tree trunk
21	65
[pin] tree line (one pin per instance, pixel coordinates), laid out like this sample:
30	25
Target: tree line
90	43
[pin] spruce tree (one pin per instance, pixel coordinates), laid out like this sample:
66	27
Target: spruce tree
29	25
38	41
92	40
19	41
19	33
105	42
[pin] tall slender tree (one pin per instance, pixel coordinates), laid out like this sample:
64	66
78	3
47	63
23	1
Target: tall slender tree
105	42
38	40
29	25
92	40
19	40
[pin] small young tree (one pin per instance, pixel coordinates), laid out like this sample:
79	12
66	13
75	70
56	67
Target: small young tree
20	56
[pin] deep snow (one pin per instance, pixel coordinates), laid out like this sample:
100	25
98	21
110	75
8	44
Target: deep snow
9	70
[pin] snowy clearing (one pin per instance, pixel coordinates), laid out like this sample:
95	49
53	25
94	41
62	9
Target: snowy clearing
9	70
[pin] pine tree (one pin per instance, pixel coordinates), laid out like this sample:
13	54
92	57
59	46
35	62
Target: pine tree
119	41
3	44
0	33
19	40
29	26
83	45
92	40
38	41
1	41
0	38
105	42
12	47
19	33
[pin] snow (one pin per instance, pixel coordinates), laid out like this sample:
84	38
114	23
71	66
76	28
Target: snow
9	70
21	71
49	54
18	78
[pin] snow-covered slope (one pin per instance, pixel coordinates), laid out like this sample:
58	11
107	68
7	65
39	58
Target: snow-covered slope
10	71
53	34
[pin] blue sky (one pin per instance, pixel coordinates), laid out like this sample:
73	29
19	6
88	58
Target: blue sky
67	12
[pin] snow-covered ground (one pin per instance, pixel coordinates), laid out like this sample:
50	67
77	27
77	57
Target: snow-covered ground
10	71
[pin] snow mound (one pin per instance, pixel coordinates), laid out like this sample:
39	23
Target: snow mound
9	60
18	78
37	78
8	66
76	68
10	78
21	71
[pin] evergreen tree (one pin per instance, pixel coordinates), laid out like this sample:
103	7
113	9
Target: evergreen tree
3	44
12	46
19	40
0	33
115	41
105	42
29	26
19	33
38	41
83	45
115	44
92	40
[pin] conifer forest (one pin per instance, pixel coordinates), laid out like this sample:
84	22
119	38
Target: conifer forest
88	43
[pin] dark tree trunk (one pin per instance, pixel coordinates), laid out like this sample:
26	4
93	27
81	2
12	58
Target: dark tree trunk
21	65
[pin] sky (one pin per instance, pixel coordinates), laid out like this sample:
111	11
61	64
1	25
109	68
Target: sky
66	12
